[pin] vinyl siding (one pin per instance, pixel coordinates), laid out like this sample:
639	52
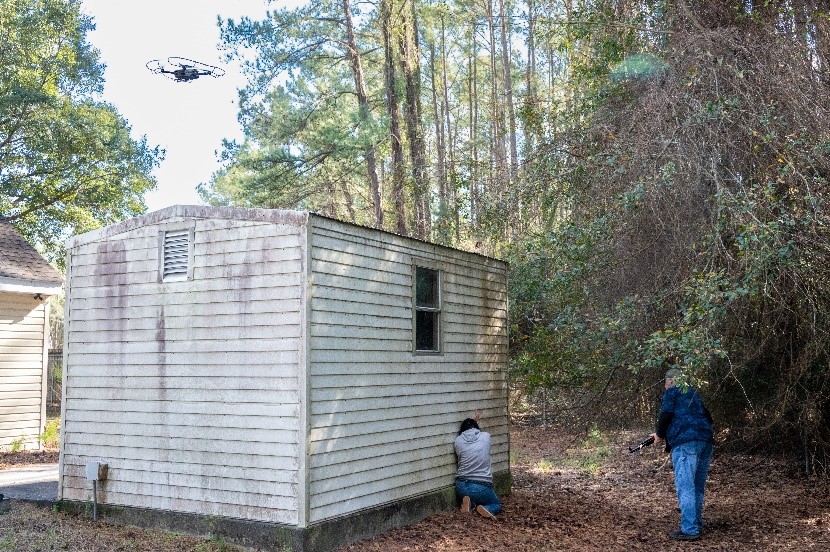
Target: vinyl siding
383	419
189	390
231	394
22	369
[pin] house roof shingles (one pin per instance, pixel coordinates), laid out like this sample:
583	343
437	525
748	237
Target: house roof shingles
20	261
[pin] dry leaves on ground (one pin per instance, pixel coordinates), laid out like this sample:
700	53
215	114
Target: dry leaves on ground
25	457
569	493
591	494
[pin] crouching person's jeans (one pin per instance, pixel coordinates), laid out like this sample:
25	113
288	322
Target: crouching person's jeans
691	468
479	493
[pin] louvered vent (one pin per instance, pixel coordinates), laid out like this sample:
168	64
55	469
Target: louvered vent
176	254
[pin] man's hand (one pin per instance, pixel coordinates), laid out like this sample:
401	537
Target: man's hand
657	440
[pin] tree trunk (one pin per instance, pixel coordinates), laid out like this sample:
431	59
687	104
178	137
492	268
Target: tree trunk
414	130
530	77
440	146
472	93
450	146
450	142
363	103
550	94
498	152
398	198
569	93
508	93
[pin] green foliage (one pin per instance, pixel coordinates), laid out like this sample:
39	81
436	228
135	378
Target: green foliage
294	151
559	340
17	444
306	138
50	438
67	161
713	254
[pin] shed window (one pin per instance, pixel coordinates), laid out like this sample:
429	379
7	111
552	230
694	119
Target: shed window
427	310
175	254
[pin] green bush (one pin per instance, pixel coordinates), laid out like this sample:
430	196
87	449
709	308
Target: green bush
50	438
17	444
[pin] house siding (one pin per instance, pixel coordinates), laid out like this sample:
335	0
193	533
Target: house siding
189	390
383	419
22	369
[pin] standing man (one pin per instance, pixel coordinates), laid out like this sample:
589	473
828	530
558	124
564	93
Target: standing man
474	479
686	426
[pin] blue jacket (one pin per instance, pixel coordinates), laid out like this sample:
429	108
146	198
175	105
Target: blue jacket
683	417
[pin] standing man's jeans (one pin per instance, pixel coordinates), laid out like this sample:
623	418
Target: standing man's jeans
691	468
479	493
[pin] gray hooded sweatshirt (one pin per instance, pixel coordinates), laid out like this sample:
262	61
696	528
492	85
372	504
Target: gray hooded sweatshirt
473	450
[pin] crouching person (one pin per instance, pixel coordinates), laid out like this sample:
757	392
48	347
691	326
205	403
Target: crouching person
474	479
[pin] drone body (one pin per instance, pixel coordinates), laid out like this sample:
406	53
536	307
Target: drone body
181	69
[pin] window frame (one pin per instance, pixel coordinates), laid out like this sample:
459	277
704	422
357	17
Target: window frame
436	310
178	227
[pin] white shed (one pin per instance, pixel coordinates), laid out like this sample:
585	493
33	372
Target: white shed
294	380
26	283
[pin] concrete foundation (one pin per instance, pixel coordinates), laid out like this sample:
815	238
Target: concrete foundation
321	537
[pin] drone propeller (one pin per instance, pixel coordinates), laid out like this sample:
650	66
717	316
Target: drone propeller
154	66
188	70
203	68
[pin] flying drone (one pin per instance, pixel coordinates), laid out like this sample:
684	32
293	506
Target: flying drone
181	69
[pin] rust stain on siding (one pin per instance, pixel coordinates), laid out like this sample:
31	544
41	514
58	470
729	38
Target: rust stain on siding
110	278
110	272
161	346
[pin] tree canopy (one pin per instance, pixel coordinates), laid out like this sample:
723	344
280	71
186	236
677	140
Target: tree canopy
67	161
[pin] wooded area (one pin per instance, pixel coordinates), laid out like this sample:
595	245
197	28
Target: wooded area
655	172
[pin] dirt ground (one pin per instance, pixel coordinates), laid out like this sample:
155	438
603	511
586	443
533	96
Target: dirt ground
589	493
570	492
9	459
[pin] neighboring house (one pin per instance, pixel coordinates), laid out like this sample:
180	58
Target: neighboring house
26	283
240	368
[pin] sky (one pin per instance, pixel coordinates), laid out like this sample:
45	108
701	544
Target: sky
188	120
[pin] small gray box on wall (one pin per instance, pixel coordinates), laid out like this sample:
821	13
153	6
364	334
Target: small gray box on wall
96	471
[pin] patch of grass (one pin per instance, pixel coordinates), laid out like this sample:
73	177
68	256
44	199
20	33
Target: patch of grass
51	438
17	444
46	540
215	544
26	528
517	457
8	542
545	465
591	454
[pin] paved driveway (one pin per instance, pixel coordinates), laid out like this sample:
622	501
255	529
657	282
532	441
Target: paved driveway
38	483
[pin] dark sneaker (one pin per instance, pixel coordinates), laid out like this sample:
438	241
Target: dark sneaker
466	507
681	536
484	512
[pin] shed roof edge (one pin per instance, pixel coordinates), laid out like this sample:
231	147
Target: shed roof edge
278	216
412	238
